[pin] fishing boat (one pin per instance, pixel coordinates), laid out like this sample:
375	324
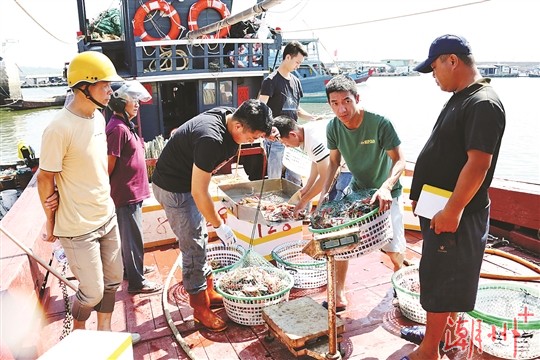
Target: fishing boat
185	77
22	104
314	74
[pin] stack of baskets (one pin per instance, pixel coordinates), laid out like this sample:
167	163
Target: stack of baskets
247	310
509	320
224	257
373	230
308	273
406	282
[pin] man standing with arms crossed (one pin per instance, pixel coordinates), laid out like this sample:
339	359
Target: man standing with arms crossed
74	158
459	156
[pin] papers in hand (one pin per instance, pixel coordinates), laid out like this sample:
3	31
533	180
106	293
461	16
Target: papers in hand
432	200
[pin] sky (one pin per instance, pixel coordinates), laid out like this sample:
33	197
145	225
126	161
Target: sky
498	30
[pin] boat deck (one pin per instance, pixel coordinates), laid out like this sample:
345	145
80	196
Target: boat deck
372	321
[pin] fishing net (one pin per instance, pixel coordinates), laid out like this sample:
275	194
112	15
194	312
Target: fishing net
106	26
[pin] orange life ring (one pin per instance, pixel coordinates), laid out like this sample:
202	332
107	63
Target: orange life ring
154	5
196	9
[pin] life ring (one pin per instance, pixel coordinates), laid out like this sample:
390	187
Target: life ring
196	9
147	8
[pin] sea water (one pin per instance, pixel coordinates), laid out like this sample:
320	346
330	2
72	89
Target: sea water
412	103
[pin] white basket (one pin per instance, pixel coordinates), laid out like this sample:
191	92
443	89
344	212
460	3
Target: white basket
500	304
248	310
374	232
228	256
406	282
308	273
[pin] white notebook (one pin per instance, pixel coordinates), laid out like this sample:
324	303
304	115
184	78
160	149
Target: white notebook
432	200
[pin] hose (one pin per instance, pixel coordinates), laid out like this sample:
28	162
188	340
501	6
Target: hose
514	258
165	303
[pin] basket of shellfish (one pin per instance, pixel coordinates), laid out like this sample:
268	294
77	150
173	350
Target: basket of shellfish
354	212
247	290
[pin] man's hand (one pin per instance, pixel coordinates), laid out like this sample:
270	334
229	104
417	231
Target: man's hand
274	134
48	234
384	196
225	233
52	201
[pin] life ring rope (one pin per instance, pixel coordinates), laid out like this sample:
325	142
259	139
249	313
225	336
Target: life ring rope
145	11
198	7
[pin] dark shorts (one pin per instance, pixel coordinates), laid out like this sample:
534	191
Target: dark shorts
450	264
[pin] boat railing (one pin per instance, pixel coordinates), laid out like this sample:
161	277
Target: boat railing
187	57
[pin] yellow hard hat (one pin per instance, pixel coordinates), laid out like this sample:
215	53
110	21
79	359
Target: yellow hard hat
91	67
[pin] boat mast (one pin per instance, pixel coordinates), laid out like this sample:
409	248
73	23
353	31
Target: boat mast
231	20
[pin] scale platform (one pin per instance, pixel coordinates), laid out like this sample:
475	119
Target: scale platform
302	326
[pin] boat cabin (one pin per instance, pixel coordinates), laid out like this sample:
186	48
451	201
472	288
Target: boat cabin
185	76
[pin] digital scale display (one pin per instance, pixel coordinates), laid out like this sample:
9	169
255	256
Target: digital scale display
335	243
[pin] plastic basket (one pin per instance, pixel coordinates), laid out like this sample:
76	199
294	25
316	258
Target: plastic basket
374	232
227	256
406	282
248	310
308	273
509	306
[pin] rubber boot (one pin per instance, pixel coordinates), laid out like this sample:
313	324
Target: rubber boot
215	298
202	313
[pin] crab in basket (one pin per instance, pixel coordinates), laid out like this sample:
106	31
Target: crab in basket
337	212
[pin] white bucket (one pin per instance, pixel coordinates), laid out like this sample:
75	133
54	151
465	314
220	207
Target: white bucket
8	198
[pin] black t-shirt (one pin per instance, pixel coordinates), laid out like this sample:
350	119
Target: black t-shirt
473	119
203	141
284	95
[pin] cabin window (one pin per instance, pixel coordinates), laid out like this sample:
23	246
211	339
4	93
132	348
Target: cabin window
209	93
225	92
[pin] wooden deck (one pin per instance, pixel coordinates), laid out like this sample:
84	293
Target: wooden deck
372	321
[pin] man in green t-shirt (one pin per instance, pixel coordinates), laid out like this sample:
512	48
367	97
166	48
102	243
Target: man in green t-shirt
370	146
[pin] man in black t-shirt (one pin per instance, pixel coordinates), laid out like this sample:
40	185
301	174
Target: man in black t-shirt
460	156
183	172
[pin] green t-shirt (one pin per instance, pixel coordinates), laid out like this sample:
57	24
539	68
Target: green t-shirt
364	150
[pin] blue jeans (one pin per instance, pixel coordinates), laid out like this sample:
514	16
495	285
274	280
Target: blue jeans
130	227
274	167
274	152
189	226
338	191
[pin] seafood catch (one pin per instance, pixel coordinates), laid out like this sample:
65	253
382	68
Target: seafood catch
273	207
338	212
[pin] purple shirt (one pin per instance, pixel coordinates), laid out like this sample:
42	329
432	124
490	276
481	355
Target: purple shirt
129	179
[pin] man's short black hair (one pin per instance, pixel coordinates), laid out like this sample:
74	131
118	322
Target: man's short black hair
285	125
294	48
341	83
255	115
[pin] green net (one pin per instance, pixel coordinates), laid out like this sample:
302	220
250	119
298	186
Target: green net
107	25
337	212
